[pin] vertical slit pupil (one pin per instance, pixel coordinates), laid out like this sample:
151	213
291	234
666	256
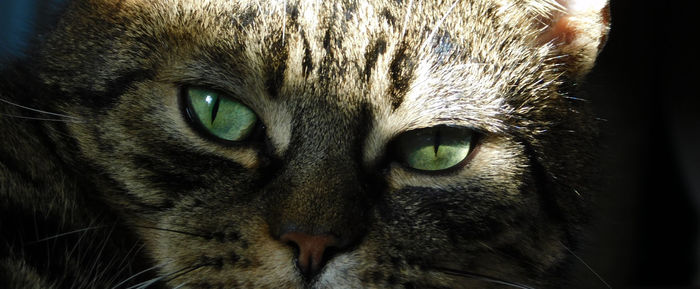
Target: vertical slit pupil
436	143
215	109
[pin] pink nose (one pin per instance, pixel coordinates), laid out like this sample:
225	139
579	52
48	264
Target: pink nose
310	257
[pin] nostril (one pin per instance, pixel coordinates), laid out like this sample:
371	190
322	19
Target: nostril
311	250
294	246
291	244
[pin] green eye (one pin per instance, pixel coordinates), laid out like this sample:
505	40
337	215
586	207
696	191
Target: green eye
222	117
434	149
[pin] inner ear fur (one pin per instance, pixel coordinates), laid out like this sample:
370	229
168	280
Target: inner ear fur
578	29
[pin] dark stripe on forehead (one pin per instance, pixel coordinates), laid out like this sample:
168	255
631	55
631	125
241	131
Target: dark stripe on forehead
306	63
401	71
326	65
375	48
388	16
331	67
274	66
293	12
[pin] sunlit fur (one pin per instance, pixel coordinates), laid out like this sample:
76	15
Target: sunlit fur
114	180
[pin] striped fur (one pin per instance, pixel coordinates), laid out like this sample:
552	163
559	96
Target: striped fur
118	182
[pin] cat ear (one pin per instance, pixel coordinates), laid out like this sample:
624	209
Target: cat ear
578	29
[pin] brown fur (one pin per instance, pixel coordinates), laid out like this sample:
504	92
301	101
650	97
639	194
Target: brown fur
334	83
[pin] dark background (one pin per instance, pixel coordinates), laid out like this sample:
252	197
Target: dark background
644	90
644	86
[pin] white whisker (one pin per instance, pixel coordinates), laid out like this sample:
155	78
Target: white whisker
589	267
41	118
139	273
482	278
123	265
67	233
38	110
145	284
97	259
176	274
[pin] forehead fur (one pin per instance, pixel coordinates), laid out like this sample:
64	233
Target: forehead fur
376	51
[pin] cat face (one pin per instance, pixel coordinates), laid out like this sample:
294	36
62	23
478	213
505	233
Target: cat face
336	144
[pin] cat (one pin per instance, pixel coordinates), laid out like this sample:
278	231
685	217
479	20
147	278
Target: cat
300	144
